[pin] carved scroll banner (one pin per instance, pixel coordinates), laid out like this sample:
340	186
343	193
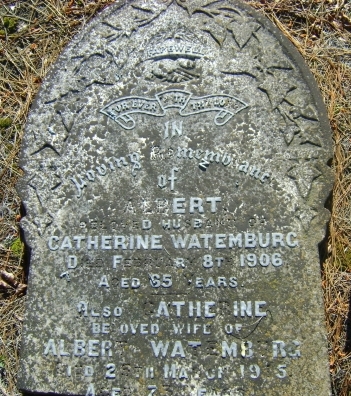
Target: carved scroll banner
225	107
176	174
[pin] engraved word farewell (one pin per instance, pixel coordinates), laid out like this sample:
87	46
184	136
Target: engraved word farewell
225	106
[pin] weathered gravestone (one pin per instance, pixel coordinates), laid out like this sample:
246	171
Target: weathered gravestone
176	175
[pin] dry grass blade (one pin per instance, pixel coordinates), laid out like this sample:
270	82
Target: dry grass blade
34	32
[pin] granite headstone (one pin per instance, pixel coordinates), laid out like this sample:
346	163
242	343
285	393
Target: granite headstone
176	172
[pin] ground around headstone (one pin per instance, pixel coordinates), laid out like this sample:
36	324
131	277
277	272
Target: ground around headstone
176	173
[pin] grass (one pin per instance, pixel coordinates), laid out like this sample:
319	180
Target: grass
34	32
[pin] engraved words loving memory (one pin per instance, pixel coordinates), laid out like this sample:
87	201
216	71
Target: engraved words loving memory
176	171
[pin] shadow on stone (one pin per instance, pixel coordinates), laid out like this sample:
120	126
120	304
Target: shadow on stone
27	249
348	329
323	245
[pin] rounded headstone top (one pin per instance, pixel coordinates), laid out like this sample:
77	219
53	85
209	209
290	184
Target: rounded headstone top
176	170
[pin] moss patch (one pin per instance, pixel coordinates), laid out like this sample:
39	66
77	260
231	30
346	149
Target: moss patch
17	247
10	25
5	122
